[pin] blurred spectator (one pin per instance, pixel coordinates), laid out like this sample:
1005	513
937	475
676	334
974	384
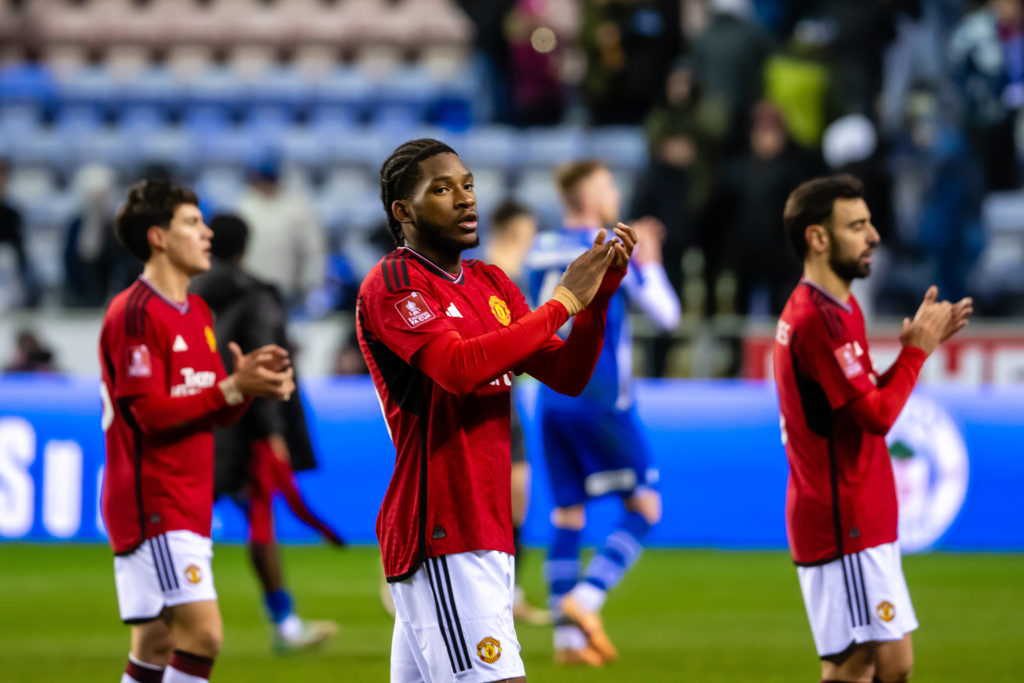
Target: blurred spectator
629	46
537	91
756	188
287	245
802	83
30	355
492	49
729	56
95	263
937	188
987	55
11	234
685	134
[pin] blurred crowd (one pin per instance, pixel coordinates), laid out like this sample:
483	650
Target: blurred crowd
732	104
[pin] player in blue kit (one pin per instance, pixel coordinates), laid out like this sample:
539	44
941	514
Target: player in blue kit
594	445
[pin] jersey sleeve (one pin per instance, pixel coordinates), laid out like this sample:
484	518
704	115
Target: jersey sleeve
828	352
405	318
137	357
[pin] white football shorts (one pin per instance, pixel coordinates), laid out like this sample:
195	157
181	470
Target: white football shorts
859	598
453	621
166	570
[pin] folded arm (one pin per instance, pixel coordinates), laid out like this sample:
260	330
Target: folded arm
159	415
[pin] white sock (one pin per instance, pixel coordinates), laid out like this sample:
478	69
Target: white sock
172	675
291	627
589	596
569	637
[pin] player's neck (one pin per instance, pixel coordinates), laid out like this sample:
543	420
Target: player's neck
450	261
576	220
169	281
822	275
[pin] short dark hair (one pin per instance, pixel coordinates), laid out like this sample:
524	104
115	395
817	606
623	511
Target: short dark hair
569	176
811	204
149	203
505	212
399	174
230	235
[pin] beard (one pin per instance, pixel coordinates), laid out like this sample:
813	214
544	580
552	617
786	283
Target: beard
435	234
847	268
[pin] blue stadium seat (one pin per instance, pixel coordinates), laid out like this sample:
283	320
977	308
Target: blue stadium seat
142	119
92	85
283	87
490	145
109	145
41	146
156	86
206	119
307	146
403	95
79	119
552	145
345	87
219	188
27	84
267	121
173	147
622	147
233	146
215	87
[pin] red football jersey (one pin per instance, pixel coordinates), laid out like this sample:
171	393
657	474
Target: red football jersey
841	497
450	490
154	484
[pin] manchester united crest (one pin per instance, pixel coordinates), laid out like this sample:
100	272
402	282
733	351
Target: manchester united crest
210	338
489	649
500	310
886	611
193	574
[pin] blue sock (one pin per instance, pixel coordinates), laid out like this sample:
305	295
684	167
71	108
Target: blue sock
562	567
279	604
621	550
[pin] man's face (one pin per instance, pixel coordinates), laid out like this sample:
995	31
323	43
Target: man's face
599	196
187	240
852	239
443	205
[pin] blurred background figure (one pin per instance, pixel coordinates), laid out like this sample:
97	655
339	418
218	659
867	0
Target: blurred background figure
287	244
513	228
30	355
258	456
12	236
96	265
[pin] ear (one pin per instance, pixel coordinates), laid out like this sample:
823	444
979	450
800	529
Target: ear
157	239
817	238
401	210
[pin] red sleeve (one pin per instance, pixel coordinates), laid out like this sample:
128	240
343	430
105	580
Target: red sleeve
877	410
833	358
461	365
407	318
137	360
159	414
567	366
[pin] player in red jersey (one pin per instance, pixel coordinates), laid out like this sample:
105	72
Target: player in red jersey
441	336
841	508
164	388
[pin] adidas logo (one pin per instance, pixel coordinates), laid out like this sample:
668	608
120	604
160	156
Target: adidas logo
179	344
453	312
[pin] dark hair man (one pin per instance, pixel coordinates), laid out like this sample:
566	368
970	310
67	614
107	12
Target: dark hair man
841	507
441	336
164	389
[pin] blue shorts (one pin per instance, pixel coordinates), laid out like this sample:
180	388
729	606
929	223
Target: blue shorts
592	453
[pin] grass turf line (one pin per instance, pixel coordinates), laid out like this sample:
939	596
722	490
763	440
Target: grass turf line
681	615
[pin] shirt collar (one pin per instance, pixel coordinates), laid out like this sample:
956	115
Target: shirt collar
457	279
180	308
846	307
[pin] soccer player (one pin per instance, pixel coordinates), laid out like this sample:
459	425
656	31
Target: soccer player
258	455
164	389
841	506
441	336
594	445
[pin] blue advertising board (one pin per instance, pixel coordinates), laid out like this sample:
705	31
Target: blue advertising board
958	454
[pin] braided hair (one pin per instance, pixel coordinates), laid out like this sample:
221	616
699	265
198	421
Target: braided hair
400	173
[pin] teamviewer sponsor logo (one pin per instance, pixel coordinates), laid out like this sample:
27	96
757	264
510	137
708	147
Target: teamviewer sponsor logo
194	382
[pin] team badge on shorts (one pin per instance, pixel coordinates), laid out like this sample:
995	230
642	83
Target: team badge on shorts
886	611
210	338
193	574
489	649
500	310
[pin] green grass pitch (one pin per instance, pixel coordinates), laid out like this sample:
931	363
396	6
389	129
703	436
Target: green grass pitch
681	615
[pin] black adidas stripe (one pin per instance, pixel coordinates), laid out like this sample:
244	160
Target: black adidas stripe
405	273
387	275
129	311
863	592
849	593
156	565
170	560
455	612
856	590
440	619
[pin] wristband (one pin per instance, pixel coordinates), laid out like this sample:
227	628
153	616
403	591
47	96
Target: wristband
567	299
230	390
